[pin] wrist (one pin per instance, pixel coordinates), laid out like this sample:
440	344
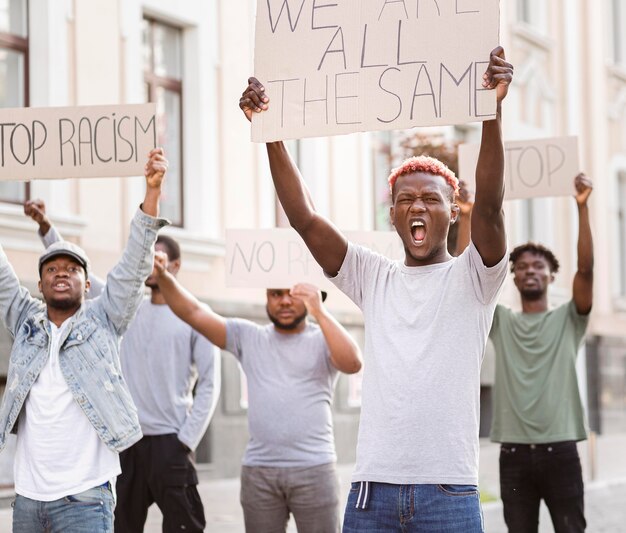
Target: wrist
150	204
44	227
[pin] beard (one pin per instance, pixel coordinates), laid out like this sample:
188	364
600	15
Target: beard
64	305
532	294
289	326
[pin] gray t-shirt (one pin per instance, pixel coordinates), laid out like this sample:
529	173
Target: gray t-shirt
162	359
290	389
425	333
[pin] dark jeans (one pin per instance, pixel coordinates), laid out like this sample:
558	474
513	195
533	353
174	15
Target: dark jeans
158	469
532	472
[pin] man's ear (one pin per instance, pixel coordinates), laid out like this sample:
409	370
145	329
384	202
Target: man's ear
87	285
392	216
39	286
454	213
173	267
552	277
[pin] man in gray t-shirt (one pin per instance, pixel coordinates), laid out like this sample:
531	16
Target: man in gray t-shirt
291	367
426	326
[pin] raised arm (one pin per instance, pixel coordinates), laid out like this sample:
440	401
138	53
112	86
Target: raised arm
487	224
36	209
187	307
345	354
323	239
583	279
124	287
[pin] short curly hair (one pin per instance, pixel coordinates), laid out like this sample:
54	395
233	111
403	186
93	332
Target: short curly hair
537	249
429	165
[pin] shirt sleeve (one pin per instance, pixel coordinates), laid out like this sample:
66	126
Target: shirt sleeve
206	359
50	237
486	281
238	331
580	321
357	269
493	332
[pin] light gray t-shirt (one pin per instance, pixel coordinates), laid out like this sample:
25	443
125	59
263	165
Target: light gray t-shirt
425	333
163	358
290	390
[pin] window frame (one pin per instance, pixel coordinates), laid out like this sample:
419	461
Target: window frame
153	81
21	45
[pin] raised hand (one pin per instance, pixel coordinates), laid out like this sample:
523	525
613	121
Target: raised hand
36	209
583	186
499	74
155	168
160	263
253	99
310	295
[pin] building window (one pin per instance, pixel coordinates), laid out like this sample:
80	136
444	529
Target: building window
162	60
622	231
13	76
533	13
618	25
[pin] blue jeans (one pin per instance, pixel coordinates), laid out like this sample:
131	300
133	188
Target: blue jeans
90	511
413	508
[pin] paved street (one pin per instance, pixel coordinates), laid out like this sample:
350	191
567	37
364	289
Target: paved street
605	501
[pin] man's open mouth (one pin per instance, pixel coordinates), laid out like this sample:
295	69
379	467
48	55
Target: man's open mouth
418	231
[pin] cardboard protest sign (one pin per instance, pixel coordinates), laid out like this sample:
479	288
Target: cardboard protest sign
76	142
278	258
345	66
533	168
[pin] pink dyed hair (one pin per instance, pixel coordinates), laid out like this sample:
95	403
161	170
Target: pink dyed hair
429	165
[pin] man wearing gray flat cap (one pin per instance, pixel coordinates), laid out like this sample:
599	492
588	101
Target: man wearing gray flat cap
65	395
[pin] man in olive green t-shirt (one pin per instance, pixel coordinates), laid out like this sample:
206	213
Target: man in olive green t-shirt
538	413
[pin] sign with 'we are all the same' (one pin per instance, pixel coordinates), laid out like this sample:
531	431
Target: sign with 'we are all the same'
340	66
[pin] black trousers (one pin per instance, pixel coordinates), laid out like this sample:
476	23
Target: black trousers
158	470
532	472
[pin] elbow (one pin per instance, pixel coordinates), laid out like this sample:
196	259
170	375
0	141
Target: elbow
301	222
354	365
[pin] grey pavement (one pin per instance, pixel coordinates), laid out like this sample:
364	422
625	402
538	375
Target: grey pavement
605	494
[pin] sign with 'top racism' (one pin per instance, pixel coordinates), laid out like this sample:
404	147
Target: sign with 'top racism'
76	142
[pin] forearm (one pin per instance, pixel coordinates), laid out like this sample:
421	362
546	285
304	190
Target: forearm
182	303
290	187
207	392
150	204
124	286
345	354
490	167
16	303
585	241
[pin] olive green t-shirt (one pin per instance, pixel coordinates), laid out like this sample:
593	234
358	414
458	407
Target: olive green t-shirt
536	396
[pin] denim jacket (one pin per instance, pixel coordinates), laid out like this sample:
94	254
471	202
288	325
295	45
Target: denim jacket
89	353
